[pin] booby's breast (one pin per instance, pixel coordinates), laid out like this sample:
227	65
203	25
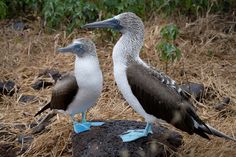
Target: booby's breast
90	82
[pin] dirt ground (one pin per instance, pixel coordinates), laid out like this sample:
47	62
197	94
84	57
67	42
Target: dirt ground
208	56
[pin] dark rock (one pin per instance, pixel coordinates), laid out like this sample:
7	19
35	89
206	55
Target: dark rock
27	98
32	125
20	126
38	129
55	74
25	139
7	88
18	26
41	84
220	106
194	89
43	123
105	141
7	150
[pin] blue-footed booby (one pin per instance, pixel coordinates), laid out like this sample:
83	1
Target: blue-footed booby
150	92
79	90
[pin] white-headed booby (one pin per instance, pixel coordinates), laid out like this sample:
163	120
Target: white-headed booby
150	92
76	92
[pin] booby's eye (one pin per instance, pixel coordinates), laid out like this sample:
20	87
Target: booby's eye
77	48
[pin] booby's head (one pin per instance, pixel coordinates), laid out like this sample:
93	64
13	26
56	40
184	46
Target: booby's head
125	22
81	47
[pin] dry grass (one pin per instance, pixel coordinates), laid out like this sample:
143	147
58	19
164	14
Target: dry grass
209	57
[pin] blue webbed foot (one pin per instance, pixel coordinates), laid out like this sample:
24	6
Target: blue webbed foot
96	123
81	127
84	125
132	135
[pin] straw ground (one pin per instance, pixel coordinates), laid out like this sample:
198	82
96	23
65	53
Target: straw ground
208	56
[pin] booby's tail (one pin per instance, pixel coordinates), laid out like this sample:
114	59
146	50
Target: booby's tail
202	130
43	109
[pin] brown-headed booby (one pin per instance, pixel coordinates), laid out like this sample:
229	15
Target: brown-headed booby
76	92
150	92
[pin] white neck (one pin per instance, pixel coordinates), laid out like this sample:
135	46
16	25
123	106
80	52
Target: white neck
128	47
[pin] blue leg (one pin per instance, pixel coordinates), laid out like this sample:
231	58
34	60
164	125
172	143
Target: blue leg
132	135
79	127
84	125
90	123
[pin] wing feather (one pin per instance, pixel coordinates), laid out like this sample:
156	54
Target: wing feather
159	96
64	92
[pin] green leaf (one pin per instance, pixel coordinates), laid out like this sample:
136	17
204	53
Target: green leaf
168	52
169	32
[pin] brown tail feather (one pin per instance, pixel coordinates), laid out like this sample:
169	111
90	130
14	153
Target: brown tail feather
43	109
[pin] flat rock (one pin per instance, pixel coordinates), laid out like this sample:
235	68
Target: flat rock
195	89
7	88
55	74
27	98
105	141
39	84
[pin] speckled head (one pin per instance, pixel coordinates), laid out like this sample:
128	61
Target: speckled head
81	47
125	22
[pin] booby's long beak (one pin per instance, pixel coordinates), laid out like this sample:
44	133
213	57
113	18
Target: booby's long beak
69	48
109	23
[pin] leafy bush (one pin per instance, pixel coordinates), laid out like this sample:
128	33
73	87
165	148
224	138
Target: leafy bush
74	13
166	47
3	9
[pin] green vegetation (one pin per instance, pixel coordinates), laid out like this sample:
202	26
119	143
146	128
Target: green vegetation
74	13
166	47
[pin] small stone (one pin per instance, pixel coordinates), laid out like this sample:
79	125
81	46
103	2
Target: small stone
7	88
41	84
20	126
55	74
25	139
18	26
32	125
38	129
194	89
27	98
220	106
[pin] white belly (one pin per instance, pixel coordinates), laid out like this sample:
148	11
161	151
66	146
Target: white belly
90	81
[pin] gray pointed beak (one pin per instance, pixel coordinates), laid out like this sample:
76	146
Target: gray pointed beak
69	48
109	23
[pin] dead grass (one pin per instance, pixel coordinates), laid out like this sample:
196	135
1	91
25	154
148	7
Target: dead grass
209	57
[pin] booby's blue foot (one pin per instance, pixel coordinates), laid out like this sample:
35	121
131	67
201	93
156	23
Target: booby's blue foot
81	127
132	135
84	125
96	123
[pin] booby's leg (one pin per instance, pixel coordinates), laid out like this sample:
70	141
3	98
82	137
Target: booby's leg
90	123
79	127
84	125
132	135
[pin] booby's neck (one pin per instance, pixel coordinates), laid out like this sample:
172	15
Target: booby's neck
128	47
87	71
126	51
